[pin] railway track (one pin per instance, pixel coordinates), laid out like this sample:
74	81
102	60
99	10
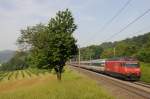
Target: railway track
142	84
138	88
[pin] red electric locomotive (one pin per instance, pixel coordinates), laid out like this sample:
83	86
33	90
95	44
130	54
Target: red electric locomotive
123	67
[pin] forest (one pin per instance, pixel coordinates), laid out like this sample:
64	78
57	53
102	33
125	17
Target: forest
136	47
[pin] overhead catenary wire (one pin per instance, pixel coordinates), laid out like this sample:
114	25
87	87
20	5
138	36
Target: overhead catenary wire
115	16
112	19
128	25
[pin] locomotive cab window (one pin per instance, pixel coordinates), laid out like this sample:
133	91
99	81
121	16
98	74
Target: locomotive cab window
132	65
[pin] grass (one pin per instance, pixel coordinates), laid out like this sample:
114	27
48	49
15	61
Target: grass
145	70
72	86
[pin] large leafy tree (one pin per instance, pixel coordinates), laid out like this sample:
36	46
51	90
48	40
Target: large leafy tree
61	41
52	45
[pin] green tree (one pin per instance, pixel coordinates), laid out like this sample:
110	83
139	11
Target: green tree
93	52
107	53
51	46
61	41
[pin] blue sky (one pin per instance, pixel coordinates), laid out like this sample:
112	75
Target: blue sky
90	16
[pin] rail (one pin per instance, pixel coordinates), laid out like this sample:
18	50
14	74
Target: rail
138	88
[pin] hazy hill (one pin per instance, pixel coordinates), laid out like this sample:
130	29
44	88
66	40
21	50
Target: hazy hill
6	55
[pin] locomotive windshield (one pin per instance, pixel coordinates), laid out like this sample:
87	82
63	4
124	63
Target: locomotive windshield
132	65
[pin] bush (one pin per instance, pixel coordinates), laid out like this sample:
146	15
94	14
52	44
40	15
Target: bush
144	56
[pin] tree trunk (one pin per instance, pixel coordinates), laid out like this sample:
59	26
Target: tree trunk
58	70
59	75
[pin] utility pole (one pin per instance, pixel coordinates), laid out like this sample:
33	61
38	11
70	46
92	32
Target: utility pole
114	51
90	60
79	55
90	56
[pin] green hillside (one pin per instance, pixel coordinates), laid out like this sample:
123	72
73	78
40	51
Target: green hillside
138	47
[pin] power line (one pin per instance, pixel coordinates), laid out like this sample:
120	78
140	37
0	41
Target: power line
111	20
116	15
128	25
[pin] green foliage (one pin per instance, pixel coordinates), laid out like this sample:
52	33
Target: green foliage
92	52
17	62
32	37
144	54
138	47
107	53
125	49
52	45
106	45
145	70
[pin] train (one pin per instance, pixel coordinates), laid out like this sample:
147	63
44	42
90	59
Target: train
126	68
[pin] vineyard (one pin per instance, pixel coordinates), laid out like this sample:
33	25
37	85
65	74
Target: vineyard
21	74
42	84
